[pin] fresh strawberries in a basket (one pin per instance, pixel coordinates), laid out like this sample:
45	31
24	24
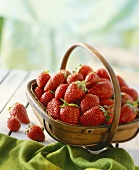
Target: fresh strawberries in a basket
85	97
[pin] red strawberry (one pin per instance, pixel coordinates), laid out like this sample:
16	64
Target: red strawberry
102	73
88	101
53	108
109	114
65	72
126	98
18	110
46	97
121	81
132	92
74	77
38	92
108	105
84	70
42	78
92	117
91	79
56	80
127	114
107	102
103	89
69	113
13	123
60	91
75	91
36	133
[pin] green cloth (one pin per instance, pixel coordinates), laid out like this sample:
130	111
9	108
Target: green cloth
30	155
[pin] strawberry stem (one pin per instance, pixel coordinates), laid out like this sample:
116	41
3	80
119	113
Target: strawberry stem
81	85
67	104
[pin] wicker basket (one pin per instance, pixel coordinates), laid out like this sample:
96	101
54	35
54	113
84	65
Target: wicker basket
94	138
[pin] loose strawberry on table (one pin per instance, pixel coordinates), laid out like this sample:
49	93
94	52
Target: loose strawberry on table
18	110
13	123
36	133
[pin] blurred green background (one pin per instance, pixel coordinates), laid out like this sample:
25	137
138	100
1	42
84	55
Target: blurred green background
34	34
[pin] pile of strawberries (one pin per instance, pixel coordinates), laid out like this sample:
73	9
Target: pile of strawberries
84	97
18	114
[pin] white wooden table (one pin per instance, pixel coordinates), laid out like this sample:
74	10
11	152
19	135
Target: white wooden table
12	89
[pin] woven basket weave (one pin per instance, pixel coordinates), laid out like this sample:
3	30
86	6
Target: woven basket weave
93	138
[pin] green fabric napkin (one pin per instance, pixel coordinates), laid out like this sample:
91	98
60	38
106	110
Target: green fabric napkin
30	155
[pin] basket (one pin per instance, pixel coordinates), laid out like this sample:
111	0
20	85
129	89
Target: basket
93	138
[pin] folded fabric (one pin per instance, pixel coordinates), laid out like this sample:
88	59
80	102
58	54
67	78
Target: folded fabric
30	155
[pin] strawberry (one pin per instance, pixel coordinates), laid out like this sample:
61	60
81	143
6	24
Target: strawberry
38	91
35	132
60	91
91	79
103	89
42	78
56	80
74	77
53	108
84	70
65	72
107	102
102	73
132	92
126	98
69	113
108	105
88	101
127	114
109	114
75	91
13	123
92	117
121	81
46	97
18	110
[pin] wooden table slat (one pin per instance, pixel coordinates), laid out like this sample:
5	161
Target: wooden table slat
3	73
10	85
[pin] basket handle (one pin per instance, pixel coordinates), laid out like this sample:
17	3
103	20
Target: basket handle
116	88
